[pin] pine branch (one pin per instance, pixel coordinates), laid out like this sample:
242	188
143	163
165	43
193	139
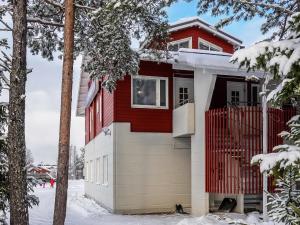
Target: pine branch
44	22
84	7
61	6
6	25
266	5
55	4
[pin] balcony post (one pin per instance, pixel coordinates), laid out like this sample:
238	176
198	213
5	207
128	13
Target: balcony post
204	84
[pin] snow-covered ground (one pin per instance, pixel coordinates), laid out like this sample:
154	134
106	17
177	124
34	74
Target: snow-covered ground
83	211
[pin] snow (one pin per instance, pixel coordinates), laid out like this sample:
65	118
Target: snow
284	159
226	219
81	210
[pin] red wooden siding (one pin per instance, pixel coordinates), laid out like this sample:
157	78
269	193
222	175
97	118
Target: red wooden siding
107	110
145	120
233	137
196	32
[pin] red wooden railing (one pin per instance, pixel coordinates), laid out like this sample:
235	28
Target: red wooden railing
233	137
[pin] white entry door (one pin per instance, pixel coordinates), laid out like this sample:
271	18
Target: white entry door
183	91
236	93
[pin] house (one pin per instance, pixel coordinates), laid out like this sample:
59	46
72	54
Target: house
182	132
40	172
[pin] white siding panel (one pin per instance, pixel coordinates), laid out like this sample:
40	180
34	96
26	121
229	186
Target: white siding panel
151	175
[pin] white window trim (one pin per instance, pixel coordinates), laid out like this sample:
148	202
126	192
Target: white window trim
98	171
189	39
158	79
200	40
105	182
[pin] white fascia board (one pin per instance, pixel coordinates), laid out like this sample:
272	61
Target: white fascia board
224	71
212	30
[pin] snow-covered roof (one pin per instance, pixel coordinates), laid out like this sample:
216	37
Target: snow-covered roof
219	62
196	21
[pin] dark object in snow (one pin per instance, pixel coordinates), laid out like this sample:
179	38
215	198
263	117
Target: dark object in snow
227	205
179	209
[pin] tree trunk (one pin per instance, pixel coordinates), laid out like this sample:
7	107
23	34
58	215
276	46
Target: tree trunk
65	117
16	125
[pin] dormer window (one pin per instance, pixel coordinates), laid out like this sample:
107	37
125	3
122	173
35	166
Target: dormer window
206	45
183	43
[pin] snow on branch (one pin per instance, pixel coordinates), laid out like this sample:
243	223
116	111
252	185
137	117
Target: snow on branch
44	22
283	156
266	5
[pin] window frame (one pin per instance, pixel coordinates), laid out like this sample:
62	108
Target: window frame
98	171
158	100
258	96
189	39
105	163
201	40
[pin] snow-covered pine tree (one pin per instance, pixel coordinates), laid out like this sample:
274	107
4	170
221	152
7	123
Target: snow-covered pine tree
275	12
284	164
4	195
279	57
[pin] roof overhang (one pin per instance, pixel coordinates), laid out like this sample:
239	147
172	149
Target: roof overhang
82	91
216	62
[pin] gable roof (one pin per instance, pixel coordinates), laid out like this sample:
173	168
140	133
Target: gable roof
197	22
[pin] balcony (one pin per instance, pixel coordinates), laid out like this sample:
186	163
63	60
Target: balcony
184	120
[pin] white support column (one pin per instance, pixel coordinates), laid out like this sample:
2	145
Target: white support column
204	84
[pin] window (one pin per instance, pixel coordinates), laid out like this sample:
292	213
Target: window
98	171
183	96
149	92
105	170
235	97
255	95
176	45
91	171
99	107
205	45
91	119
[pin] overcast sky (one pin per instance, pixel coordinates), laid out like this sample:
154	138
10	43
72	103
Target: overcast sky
43	90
